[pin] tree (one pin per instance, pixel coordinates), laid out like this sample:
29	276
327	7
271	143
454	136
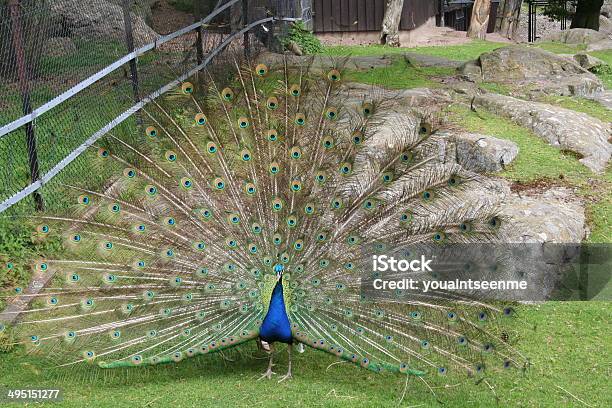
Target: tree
389	34
587	14
480	19
508	17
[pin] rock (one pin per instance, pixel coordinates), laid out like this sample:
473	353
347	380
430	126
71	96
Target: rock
100	19
59	47
422	60
605	25
516	63
567	129
605	44
555	215
535	70
604	98
587	61
320	63
482	153
295	48
576	36
471	70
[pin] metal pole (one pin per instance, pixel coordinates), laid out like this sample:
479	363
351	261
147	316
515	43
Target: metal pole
245	21
129	40
529	23
199	43
24	87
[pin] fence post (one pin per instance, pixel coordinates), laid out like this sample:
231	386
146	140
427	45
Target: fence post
129	40
199	42
245	21
24	87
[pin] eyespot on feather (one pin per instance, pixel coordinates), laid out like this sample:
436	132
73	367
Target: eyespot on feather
187	88
261	69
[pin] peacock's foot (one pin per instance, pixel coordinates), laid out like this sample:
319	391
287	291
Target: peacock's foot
268	374
287	376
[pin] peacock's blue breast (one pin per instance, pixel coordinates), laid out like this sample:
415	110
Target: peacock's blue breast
276	325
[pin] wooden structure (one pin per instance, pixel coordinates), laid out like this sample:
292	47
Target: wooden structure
367	15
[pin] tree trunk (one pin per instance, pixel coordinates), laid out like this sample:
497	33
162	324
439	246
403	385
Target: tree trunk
389	34
480	19
587	14
508	18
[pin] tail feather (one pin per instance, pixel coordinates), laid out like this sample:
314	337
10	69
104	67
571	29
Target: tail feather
173	256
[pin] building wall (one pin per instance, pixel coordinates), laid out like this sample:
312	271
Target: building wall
366	15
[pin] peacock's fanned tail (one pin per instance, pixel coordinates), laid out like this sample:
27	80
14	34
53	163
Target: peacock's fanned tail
173	256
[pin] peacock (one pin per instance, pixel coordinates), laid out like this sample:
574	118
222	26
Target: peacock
247	209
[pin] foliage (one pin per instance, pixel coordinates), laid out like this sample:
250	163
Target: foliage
17	247
304	38
557	9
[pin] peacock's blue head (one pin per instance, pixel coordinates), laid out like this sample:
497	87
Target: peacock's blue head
279	268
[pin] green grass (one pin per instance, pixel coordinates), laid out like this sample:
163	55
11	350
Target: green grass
560	48
567	344
588	106
537	160
606	73
400	75
464	52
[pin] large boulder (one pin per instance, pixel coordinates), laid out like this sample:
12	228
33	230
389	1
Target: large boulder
534	70
554	216
564	128
588	62
576	36
516	63
605	25
482	153
99	19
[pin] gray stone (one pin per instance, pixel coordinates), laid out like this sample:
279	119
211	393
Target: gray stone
516	63
59	47
567	129
604	98
576	36
482	153
606	9
533	70
605	44
605	25
320	63
471	70
100	19
587	61
555	216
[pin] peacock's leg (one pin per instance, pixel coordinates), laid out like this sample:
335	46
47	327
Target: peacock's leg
268	373
288	375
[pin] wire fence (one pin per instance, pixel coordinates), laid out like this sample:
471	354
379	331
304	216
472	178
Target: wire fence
72	70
